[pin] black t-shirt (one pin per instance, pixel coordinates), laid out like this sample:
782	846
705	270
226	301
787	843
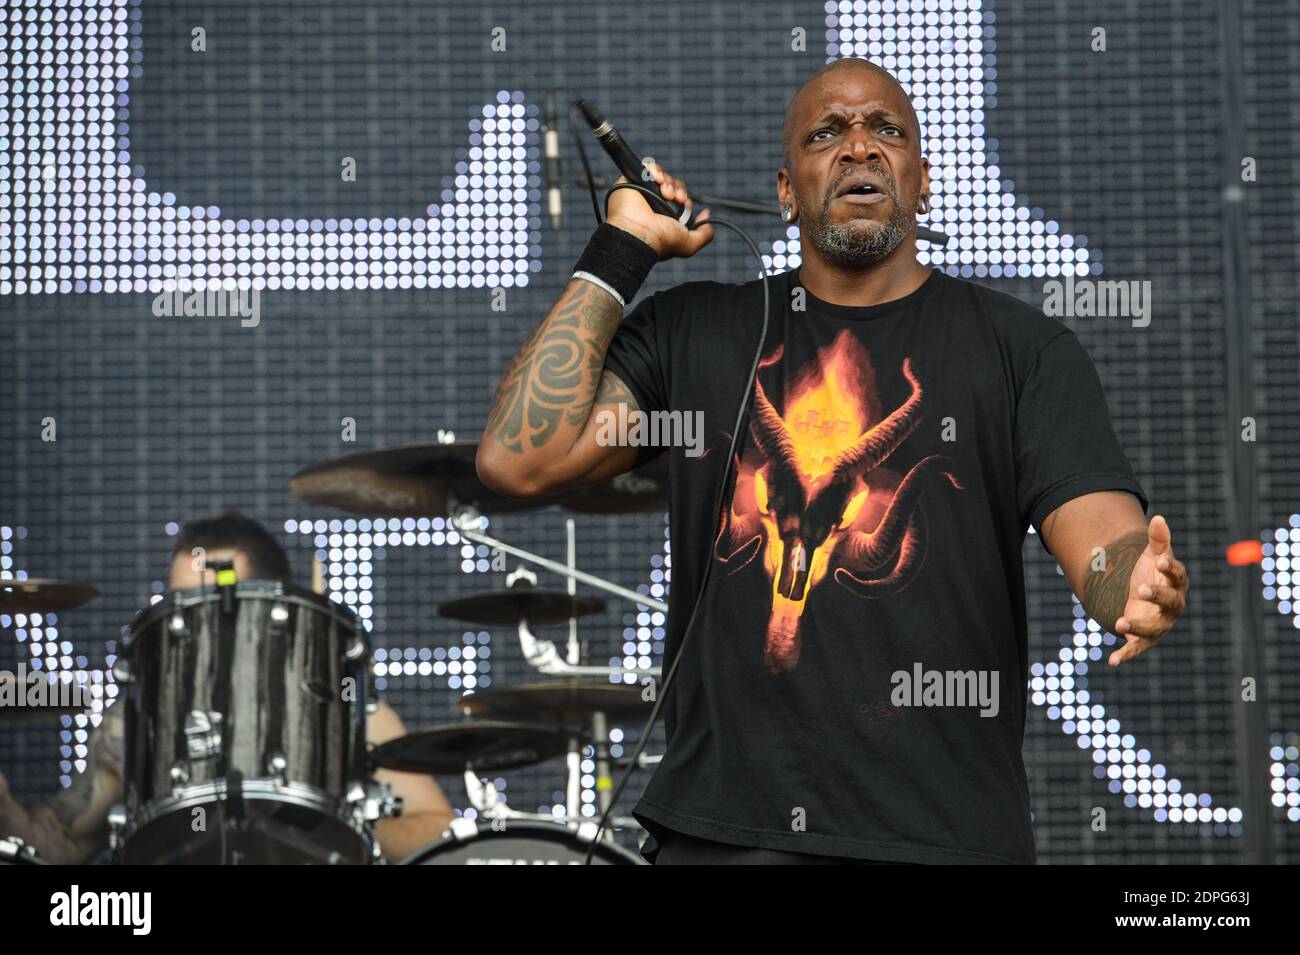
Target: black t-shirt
871	558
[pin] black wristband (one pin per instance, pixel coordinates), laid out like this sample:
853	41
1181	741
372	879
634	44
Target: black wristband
618	260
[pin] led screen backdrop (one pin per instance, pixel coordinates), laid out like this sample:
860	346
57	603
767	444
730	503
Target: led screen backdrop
371	171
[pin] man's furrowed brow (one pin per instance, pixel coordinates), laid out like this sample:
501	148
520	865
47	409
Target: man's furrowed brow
844	113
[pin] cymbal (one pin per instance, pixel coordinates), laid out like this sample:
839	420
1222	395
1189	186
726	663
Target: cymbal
16	692
481	746
564	701
510	607
406	480
420	480
641	491
38	595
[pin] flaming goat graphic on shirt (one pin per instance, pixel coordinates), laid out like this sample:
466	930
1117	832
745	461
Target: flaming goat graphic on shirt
812	497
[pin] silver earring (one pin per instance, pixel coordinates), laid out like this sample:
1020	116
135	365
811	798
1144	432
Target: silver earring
785	213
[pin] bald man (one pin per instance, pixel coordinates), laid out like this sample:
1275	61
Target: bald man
854	684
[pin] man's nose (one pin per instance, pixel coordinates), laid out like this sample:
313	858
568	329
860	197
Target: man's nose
860	145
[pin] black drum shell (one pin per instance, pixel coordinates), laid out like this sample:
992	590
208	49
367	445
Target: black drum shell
287	670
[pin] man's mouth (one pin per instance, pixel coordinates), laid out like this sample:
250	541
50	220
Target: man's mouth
862	198
861	190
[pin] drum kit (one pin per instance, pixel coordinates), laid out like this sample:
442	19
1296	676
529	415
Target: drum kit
245	702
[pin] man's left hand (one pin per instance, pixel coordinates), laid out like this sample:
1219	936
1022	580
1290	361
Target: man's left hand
1157	594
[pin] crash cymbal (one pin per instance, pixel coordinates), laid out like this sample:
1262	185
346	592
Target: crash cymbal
642	491
422	480
481	746
564	701
503	608
24	700
407	480
36	595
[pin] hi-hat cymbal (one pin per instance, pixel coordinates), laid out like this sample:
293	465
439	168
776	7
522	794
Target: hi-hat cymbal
503	608
423	480
481	746
564	701
36	595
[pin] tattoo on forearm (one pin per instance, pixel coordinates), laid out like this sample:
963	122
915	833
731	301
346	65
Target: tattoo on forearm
555	374
612	391
1105	592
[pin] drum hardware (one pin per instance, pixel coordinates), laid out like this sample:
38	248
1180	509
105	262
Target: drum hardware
466	519
377	801
428	480
488	802
642	762
13	851
203	734
276	765
116	824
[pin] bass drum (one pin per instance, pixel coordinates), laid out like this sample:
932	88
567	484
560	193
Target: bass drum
521	842
245	729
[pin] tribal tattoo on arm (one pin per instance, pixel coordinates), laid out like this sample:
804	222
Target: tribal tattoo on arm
554	377
1105	592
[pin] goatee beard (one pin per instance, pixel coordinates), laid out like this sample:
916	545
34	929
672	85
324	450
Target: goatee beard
854	246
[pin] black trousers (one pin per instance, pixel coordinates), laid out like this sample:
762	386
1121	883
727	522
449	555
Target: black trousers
677	848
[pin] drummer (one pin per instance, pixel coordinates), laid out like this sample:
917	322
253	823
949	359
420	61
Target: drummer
73	826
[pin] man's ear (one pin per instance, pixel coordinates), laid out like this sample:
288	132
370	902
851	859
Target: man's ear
784	195
925	180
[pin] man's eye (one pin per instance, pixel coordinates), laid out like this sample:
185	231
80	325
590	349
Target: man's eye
819	132
897	129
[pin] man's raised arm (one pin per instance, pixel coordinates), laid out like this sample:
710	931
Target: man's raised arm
540	437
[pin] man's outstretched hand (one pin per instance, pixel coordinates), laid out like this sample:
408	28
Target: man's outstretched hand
1157	594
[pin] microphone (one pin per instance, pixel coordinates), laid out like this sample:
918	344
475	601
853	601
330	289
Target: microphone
630	165
551	164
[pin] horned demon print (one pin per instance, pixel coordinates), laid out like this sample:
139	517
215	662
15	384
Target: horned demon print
812	498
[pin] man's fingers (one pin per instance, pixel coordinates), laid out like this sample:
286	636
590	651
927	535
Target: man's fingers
1152	628
1125	653
1173	569
1158	535
1166	598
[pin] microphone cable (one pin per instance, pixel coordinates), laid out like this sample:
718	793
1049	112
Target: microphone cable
741	417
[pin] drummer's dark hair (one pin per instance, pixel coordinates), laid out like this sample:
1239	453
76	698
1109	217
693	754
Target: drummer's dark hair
230	529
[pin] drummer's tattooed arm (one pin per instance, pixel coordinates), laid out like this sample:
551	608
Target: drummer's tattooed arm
73	825
543	411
